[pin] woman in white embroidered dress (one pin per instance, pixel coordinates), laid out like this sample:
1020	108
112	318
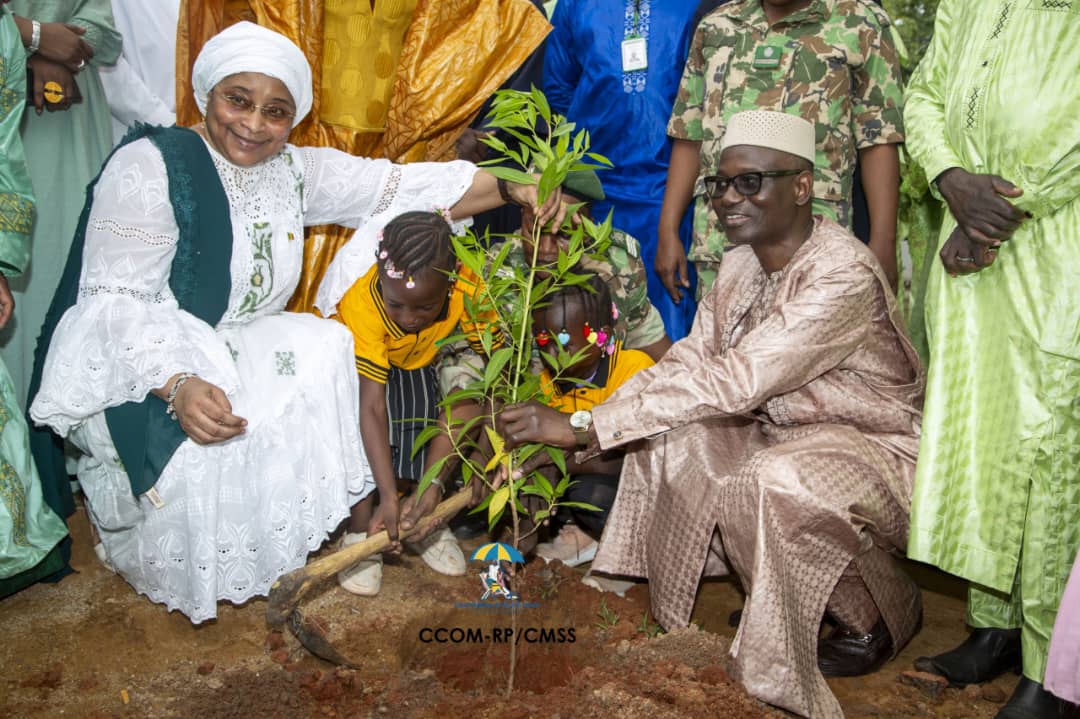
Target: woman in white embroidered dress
273	460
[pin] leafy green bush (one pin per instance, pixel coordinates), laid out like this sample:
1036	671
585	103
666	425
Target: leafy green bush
544	156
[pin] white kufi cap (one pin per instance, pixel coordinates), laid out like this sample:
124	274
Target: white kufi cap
774	130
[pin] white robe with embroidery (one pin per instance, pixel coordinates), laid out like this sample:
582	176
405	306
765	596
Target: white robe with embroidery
233	516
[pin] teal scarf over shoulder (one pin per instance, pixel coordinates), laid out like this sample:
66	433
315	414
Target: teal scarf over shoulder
144	435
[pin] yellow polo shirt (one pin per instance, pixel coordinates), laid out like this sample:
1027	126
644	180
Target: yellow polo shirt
621	365
381	344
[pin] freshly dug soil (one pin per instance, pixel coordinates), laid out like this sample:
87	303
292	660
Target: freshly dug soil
91	647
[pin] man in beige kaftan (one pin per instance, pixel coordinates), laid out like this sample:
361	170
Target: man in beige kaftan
776	441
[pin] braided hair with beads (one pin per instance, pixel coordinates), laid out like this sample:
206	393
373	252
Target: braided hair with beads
413	242
594	298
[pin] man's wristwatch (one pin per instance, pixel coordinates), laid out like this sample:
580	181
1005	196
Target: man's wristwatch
580	422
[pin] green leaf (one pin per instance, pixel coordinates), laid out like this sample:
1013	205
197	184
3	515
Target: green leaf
499	260
563	485
494	143
482	505
541	104
425	436
558	458
498	503
580	505
469	393
510	175
564	128
473	260
599	158
432	472
495	365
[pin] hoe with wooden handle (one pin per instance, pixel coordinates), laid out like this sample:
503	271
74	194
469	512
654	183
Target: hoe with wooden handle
283	606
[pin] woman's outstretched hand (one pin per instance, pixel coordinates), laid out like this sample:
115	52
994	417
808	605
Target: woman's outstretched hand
552	212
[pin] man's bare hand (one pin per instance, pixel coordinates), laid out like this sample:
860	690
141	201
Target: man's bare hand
526	422
979	204
961	256
46	71
63	43
671	266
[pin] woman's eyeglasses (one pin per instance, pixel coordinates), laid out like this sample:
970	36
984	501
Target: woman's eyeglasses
277	114
746	184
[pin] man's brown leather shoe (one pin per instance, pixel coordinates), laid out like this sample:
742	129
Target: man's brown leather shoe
847	654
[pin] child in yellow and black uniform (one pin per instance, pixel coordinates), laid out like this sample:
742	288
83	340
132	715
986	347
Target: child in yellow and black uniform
580	318
410	300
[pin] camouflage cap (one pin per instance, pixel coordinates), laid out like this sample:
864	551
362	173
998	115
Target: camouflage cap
774	130
585	185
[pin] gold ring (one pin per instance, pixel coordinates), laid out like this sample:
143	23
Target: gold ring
53	92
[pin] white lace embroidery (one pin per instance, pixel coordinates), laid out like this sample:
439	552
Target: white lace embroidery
264	203
95	290
127	231
389	193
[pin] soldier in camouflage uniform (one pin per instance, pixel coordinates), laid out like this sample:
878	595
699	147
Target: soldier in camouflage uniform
834	63
638	325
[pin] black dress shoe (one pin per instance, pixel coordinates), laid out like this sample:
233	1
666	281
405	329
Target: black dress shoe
1031	701
847	654
985	654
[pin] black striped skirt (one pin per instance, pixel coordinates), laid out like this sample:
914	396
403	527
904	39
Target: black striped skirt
412	402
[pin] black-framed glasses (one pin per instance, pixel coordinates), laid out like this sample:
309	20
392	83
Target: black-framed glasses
277	114
746	184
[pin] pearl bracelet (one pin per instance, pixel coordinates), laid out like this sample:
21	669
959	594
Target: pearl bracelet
169	408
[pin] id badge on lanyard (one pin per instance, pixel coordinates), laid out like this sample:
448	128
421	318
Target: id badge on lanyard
635	54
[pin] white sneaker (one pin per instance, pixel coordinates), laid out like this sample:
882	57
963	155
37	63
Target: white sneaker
600	583
364	577
572	547
441	552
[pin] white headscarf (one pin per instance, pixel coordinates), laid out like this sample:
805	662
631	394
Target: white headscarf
247	47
